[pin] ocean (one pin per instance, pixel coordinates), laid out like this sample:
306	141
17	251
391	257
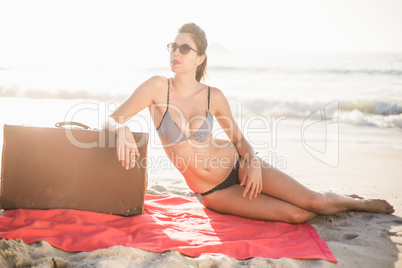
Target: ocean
310	100
367	86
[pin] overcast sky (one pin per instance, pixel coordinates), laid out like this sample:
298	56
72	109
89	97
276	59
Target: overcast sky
54	32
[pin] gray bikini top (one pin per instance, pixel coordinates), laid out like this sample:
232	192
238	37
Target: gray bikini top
169	130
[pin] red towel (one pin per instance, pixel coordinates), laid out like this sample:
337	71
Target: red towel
169	223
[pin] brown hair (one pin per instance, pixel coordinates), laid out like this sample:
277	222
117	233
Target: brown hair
200	40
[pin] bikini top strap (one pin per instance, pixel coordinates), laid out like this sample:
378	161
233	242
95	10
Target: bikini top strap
167	105
208	96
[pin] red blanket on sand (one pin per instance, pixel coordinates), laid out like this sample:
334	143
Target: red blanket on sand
169	223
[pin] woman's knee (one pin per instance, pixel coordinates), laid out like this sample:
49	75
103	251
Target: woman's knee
299	216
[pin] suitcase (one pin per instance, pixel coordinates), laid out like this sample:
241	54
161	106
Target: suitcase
70	168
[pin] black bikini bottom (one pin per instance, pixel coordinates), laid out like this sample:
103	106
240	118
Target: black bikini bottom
232	179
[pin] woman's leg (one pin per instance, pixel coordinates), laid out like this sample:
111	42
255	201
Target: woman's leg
282	186
264	207
285	199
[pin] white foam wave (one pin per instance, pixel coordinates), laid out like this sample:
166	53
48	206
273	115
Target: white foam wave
357	117
276	70
378	113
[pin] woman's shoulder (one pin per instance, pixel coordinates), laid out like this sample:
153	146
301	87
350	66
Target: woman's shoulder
158	81
217	100
153	86
216	93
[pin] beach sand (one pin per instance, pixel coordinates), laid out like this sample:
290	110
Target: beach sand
357	239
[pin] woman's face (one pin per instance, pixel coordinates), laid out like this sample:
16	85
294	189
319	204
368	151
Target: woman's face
183	63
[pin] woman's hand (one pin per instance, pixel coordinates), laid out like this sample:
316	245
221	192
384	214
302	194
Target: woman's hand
126	147
252	178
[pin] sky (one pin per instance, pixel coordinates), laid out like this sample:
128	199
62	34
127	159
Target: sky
71	33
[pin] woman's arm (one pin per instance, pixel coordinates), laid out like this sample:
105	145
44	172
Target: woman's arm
252	179
142	97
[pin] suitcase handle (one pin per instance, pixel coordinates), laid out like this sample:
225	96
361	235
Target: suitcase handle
71	123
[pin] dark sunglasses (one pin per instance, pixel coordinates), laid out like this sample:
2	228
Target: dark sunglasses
184	49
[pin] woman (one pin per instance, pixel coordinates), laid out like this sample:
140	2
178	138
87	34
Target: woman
228	174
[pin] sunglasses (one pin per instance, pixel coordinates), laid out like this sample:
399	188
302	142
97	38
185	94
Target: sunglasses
184	49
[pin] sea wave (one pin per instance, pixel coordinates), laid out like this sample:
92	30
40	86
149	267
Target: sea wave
302	71
357	117
378	113
62	94
392	106
382	113
376	107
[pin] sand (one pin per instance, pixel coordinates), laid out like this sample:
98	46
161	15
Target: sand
357	239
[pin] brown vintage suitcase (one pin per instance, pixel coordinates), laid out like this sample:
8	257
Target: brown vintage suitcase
45	168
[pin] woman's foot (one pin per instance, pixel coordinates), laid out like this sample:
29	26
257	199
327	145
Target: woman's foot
373	205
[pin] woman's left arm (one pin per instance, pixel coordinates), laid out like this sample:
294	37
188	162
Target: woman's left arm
252	179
